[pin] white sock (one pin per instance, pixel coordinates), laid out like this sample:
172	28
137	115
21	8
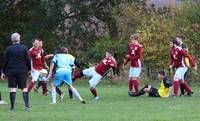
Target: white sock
53	94
76	94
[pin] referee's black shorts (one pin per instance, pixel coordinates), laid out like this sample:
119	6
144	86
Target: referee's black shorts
17	78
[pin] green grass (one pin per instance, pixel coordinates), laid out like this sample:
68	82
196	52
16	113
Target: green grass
114	105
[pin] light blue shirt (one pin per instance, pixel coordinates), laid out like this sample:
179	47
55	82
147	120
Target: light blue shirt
63	61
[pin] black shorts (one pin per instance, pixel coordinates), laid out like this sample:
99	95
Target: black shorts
17	78
153	92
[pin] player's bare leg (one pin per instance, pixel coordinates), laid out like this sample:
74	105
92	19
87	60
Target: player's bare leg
35	88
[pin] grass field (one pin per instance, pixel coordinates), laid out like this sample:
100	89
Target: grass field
114	105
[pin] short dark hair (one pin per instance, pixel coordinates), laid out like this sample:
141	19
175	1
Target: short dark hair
174	41
162	72
110	51
135	36
63	50
37	38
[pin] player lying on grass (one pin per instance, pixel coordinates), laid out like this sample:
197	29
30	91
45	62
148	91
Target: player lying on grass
177	60
100	70
164	90
63	73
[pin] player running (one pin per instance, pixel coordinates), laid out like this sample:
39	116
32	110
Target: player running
64	72
164	90
100	70
36	54
135	56
61	93
42	77
177	60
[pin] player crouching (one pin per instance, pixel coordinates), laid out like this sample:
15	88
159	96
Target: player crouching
164	90
63	73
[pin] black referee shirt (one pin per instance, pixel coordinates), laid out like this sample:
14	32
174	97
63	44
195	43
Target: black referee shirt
16	57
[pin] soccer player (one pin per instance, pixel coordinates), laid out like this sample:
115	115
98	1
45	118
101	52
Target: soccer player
63	73
76	65
100	70
16	66
179	39
177	60
41	81
164	90
135	56
36	54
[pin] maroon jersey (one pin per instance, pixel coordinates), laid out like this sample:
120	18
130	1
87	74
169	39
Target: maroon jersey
134	55
37	57
177	57
105	65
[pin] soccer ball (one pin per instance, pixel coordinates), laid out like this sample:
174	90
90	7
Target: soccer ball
43	72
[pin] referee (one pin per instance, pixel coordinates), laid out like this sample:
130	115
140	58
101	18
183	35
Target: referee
16	67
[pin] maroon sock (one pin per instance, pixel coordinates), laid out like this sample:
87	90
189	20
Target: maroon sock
176	86
30	86
130	85
93	91
44	87
136	85
186	87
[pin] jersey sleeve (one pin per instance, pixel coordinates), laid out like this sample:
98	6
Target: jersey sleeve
166	82
185	54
